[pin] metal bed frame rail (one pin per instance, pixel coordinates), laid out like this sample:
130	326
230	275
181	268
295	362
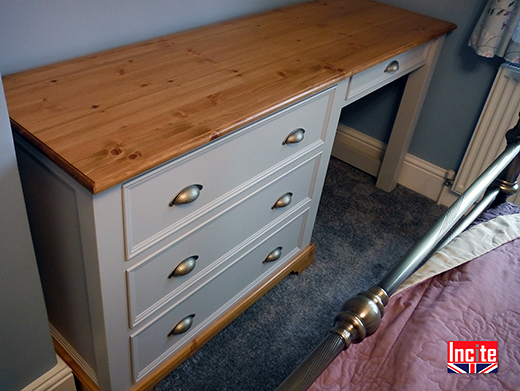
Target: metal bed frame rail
360	316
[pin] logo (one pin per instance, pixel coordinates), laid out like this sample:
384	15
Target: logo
472	356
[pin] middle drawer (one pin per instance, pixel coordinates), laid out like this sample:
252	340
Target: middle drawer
152	283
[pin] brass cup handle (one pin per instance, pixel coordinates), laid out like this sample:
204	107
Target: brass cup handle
186	195
273	255
295	136
183	326
392	67
184	267
283	201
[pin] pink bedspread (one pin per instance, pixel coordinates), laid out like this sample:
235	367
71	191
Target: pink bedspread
479	300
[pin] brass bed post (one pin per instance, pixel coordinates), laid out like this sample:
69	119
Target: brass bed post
361	315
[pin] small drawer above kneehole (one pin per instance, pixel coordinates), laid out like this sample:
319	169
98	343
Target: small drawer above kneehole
207	177
381	74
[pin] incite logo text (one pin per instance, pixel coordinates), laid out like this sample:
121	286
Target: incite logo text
472	356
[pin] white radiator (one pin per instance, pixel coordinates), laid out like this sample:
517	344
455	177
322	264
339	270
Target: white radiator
500	114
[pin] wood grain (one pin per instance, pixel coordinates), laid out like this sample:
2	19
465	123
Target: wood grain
108	117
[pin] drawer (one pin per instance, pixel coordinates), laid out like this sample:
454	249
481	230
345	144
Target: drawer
374	78
224	168
229	283
151	284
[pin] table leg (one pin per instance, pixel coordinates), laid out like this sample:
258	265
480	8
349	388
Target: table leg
406	120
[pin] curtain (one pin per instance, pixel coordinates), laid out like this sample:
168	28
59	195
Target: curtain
497	33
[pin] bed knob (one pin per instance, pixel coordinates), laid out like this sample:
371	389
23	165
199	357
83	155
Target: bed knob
361	315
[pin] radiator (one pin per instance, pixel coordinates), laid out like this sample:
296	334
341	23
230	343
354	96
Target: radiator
500	114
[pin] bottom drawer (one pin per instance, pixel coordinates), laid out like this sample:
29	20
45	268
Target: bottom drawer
233	280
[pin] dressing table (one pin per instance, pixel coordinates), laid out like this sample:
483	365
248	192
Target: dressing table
172	182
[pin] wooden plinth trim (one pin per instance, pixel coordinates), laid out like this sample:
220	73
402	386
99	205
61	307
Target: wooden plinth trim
77	370
296	265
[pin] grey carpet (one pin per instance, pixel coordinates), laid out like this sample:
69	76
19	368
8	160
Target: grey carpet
360	232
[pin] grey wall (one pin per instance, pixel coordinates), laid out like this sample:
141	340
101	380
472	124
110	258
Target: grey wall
35	32
26	350
456	96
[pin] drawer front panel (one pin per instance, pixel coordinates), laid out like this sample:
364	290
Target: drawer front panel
370	80
223	169
149	283
154	344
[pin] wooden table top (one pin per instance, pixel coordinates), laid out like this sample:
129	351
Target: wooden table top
107	117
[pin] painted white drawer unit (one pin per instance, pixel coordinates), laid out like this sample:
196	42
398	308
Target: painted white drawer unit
132	279
247	185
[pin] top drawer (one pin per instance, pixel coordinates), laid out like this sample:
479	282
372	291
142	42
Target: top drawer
219	171
379	75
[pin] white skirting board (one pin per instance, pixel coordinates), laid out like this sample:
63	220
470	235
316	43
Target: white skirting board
365	153
59	378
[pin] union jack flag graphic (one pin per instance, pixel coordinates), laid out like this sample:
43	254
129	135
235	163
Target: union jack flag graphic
472	368
472	357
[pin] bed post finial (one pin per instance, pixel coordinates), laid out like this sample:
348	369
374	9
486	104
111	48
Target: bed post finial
361	315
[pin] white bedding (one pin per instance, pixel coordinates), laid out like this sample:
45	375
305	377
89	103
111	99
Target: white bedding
472	243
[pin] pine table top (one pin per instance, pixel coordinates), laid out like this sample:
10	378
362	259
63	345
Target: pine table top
107	117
